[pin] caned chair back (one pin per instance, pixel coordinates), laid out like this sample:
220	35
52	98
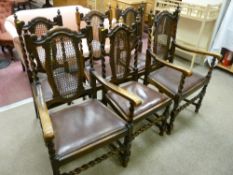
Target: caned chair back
164	32
131	16
95	19
64	62
38	26
121	54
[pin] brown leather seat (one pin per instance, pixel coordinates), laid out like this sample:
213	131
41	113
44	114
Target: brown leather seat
170	79
82	125
151	98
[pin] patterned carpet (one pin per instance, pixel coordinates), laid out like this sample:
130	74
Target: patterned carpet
14	85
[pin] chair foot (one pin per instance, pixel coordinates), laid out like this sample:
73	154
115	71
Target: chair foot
169	129
125	154
162	128
70	103
161	133
198	105
3	49
164	125
23	67
125	163
197	109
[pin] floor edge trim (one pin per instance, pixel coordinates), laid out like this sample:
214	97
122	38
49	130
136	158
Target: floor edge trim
17	104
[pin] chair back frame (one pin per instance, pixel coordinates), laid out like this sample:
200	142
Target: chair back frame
64	62
164	32
130	15
121	57
156	60
39	26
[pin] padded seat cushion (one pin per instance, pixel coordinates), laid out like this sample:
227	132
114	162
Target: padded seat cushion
150	98
82	125
170	78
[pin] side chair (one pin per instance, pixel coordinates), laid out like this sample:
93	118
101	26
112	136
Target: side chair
85	126
184	86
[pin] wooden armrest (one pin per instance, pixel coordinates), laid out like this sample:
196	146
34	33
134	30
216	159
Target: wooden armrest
45	119
185	71
197	51
120	91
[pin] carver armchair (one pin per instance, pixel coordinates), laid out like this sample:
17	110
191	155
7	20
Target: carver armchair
86	125
125	75
184	86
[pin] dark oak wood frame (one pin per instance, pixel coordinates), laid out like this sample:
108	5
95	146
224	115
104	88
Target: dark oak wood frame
48	133
131	73
23	29
138	15
154	62
87	18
